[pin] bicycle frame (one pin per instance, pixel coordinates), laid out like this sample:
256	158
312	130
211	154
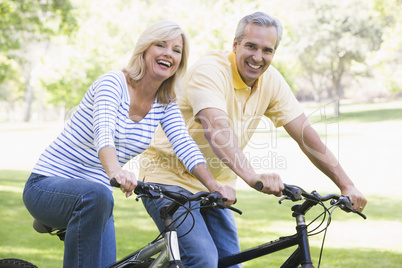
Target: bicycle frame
301	255
167	248
142	255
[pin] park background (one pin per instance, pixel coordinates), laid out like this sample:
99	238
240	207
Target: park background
342	60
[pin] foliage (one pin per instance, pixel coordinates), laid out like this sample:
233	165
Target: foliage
117	33
23	21
333	36
10	88
389	59
325	43
67	86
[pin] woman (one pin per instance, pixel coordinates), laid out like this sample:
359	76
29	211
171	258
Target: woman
115	121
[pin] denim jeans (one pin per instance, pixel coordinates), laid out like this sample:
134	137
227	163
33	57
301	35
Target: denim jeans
84	208
213	235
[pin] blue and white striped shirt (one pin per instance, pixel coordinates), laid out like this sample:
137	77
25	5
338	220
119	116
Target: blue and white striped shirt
102	119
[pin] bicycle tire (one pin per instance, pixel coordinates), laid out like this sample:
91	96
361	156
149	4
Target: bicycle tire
16	263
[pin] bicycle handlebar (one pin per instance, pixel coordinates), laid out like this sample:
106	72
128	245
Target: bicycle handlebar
296	193
291	192
156	191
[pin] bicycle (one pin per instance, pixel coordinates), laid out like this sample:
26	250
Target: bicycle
167	246
301	256
161	252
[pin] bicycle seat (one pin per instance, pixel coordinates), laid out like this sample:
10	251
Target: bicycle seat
42	228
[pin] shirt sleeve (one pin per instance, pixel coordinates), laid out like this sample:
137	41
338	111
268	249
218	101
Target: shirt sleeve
205	85
283	106
107	97
183	145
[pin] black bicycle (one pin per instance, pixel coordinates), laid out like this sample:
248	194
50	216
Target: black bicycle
301	256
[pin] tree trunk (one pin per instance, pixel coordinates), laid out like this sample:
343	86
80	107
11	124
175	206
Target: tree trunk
29	96
339	94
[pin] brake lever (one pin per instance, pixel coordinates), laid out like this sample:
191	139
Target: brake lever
220	204
345	204
139	197
218	201
284	198
238	211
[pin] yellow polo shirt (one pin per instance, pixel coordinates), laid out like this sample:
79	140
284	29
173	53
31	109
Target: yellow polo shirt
214	82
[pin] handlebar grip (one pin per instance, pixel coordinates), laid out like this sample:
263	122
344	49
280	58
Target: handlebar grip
114	183
258	186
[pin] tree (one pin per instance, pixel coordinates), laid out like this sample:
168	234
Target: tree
389	59
26	22
102	40
333	36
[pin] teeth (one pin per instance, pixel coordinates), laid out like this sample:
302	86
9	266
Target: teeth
253	66
166	63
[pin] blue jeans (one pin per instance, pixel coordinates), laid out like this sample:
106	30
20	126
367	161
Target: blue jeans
84	208
214	234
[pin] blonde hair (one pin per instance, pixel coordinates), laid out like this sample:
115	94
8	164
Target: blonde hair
160	31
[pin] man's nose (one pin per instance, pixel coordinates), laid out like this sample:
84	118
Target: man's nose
257	56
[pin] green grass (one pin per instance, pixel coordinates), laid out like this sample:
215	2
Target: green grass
263	220
371	115
357	113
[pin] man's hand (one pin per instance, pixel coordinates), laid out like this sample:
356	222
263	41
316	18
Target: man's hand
229	193
272	183
358	199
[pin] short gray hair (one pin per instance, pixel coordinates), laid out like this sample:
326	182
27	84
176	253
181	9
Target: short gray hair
261	19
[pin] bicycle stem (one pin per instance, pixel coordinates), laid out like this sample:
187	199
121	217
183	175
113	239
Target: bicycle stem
301	228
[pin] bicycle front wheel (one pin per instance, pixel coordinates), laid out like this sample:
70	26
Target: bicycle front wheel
16	263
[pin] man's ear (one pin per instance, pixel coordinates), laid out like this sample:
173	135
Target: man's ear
235	45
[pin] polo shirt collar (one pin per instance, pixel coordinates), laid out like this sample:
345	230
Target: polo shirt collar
238	82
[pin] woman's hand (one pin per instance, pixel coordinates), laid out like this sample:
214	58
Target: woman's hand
127	181
110	163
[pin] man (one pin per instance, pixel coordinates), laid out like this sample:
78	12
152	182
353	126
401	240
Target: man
225	95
